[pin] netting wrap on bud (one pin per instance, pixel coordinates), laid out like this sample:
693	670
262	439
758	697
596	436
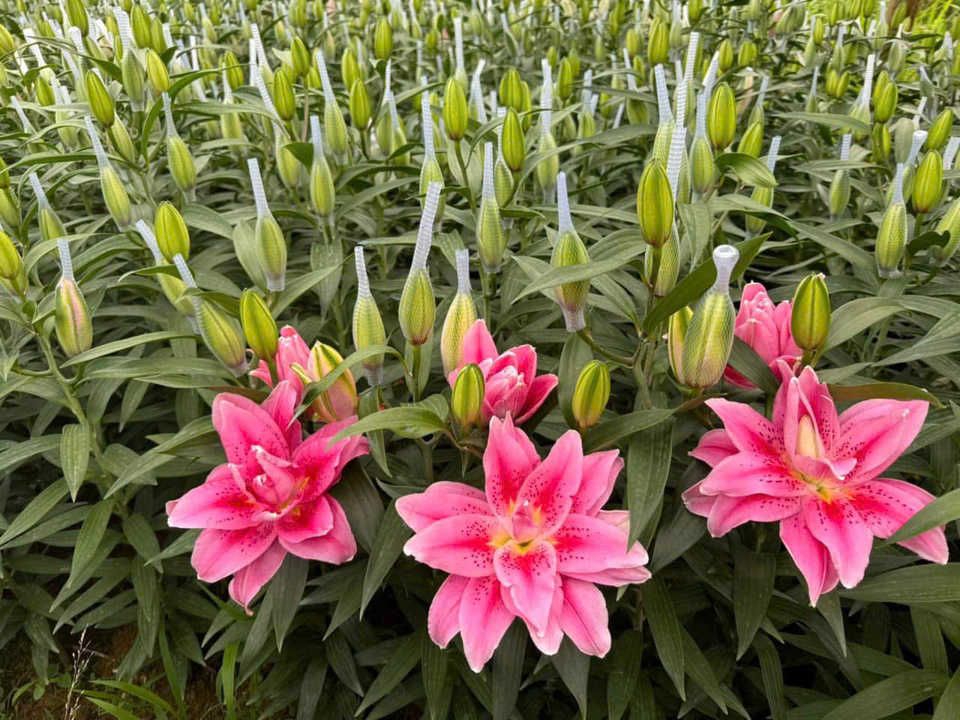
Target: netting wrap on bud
417	306
271	245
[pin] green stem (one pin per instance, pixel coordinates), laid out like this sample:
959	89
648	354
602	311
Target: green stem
468	193
620	359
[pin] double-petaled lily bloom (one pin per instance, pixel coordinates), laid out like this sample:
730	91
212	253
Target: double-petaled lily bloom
533	545
765	327
817	473
512	384
270	498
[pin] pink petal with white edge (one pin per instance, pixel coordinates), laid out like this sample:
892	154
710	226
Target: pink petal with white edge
810	556
846	536
443	621
531	577
714	446
459	545
728	513
247	582
219	503
876	433
549	641
537	393
336	547
218	553
885	505
584	617
306	520
748	430
547	493
243	425
748	473
478	345
600	471
421	510
509	458
698	503
483	620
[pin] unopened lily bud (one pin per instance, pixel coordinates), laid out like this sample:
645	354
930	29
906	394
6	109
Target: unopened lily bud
511	90
591	394
549	166
179	159
300	57
99	99
568	251
460	317
703	169
676	334
655	205
333	121
121	141
77	15
885	101
157	73
417	305
322	192
11	264
51	227
939	132
565	80
747	54
752	141
513	143
725	55
466	400
258	324
928	183
839	194
949	223
172	236
232	69
491	241
140	23
9	208
892	237
360	107
810	313
367	323
455	112
283	98
662	266
881	144
339	401
71	316
658	44
722	117
7	42
271	245
709	337
632	42
383	39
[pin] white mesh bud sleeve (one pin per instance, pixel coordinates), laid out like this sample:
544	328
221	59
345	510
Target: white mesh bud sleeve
663	97
316	137
27	127
426	126
227	90
66	262
123	27
711	77
387	77
897	198
868	78
259	196
419	53
501	114
631	80
363	282
951	152
167	37
764	84
682	102
95	143
618	118
565	221
185	273
701	130
587	93
425	233
675	159
841	31
476	97
919	138
324	78
773	152
725	259
813	82
546	98
918	116
488	170
168	115
845	147
458	41
463	271
264	95
42	201
394	118
150	239
691	56
493	103
261	58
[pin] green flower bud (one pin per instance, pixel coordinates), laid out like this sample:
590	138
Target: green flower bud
676	334
839	192
658	45
885	101
722	117
747	55
491	241
172	236
322	192
258	324
819	28
72	318
270	243
949	223
810	314
383	39
9	209
547	169
466	400
44	92
461	316
233	71
703	169
11	264
892	237
157	73
333	123
121	141
140	23
928	183
455	111
565	80
132	75
880	143
417	305
360	108
77	15
709	337
632	42
99	99
725	55
51	227
7	42
181	165
591	394
655	205
300	57
115	196
662	266
349	68
569	250
283	97
339	401
752	141
939	132
511	90
367	324
513	142
223	336
502	182
763	196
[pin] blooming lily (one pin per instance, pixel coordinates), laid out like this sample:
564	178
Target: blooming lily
532	545
270	497
817	474
512	384
765	327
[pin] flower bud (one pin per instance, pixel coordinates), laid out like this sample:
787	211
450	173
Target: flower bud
322	192
299	57
676	334
360	108
460	317
747	55
77	15
466	400
115	196
632	42
72	319
181	164
662	266
939	131
511	91
367	324
658	45
417	305
885	101
140	22
383	39
7	42
258	324
725	55
565	80
270	243
232	69
99	99
512	141
172	236
9	208
703	169
333	123
568	251
455	111
591	394
928	183
752	141
949	223
839	192
722	117
157	73
709	337
892	237
881	144
810	313
10	262
491	241
339	401
283	98
655	205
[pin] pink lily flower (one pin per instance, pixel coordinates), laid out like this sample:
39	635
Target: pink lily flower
270	498
817	474
512	384
765	327
533	545
291	350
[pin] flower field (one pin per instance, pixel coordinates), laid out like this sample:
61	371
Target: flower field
503	359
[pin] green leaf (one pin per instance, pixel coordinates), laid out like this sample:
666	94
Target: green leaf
21	452
508	670
750	170
405	659
753	576
698	668
287	588
845	123
611	431
37	509
887	390
949	706
407	421
624	672
665	628
648	468
311	688
434	672
386	549
575	273
890	696
574	669
125	344
74	455
88	541
857	315
939	512
141	536
745	360
772	673
910	585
